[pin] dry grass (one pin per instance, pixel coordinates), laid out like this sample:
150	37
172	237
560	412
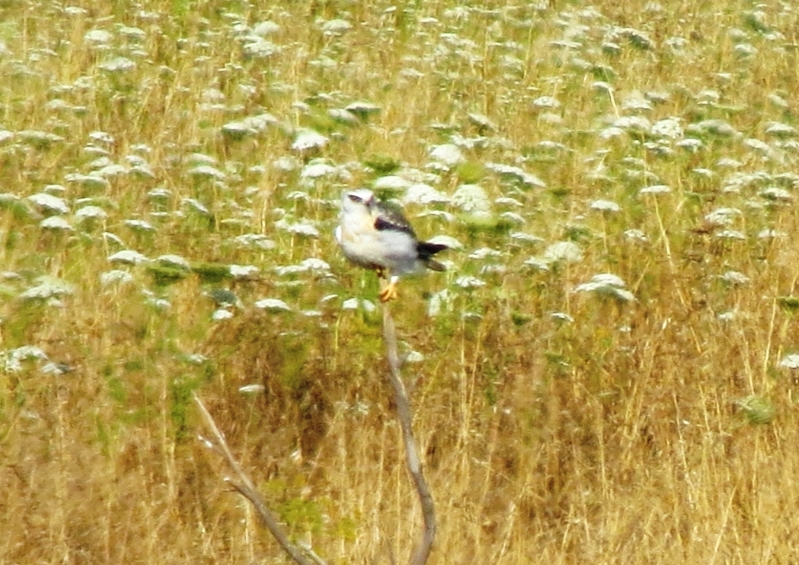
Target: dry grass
658	431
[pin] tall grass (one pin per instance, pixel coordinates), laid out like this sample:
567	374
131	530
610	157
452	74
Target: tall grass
556	425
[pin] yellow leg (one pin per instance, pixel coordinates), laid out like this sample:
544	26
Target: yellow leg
389	291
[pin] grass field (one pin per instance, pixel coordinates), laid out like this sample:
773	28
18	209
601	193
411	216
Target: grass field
606	373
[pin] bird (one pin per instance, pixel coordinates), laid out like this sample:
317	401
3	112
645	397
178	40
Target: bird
375	235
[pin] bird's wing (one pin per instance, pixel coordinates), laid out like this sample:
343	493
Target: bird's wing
390	218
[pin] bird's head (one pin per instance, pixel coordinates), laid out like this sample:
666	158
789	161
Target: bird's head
357	201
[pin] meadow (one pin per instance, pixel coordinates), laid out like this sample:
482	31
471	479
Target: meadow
605	373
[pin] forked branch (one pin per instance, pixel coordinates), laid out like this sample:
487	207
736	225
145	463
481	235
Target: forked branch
245	487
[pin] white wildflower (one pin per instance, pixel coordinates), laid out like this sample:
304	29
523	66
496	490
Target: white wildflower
609	285
446	240
421	193
723	216
790	361
299	228
636	235
525	237
516	173
174	261
605	206
317	169
56	223
115	276
128	256
537	263
355	304
207	171
437	302
513	217
563	252
730	234
108	236
469	282
314	264
776	194
714	127
221	314
243	271
611	132
441	214
780	130
139	225
196	205
97	36
272	305
690	144
561	317
308	139
637	103
49	203
391	182
507	201
252	389
117	64
668	128
414	357
471	198
483	253
546	102
735	278
289	270
362	109
262	29
257	240
48	287
259	48
637	124
655	189
447	154
481	121
336	27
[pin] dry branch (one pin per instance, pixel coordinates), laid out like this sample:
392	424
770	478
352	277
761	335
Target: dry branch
422	552
245	487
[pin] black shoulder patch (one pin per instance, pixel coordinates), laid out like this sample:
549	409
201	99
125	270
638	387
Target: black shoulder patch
392	220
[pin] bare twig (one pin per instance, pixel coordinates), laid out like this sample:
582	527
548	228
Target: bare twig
245	487
422	552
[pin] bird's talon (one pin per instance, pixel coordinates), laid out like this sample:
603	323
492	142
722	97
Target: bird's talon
389	293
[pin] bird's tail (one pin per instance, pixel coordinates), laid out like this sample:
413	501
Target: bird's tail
426	251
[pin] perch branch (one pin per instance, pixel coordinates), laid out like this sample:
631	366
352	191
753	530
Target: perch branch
245	487
413	462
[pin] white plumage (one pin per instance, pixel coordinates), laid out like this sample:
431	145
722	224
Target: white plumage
375	236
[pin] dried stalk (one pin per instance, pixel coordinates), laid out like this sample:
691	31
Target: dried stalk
422	552
245	487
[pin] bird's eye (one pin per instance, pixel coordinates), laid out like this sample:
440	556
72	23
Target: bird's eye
354	197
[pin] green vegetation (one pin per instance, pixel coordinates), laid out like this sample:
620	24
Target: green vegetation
605	374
